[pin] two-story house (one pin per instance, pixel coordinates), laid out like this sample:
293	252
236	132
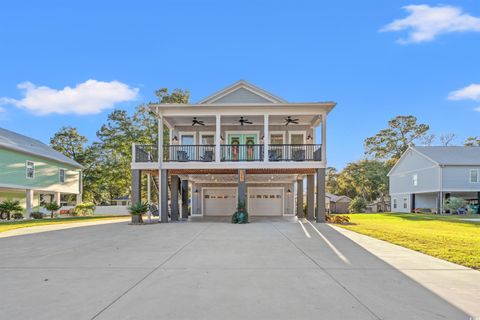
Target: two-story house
241	144
424	177
31	171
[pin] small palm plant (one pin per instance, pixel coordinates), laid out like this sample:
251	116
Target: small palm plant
137	210
52	207
8	207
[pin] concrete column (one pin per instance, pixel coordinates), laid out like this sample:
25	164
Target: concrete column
310	197
266	137
29	202
136	186
184	188
440	202
320	210
174	184
160	139
163	195
242	186
218	133
56	198
300	213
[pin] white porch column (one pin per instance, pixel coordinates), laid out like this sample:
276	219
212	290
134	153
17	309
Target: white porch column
29	202
324	139
218	133
266	137
160	139
79	199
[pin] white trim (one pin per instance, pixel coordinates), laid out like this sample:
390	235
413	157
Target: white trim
229	165
275	188
302	132
202	199
245	85
64	175
187	133
206	133
470	176
26	170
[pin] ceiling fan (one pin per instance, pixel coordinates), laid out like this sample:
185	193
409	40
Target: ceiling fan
289	120
244	121
195	122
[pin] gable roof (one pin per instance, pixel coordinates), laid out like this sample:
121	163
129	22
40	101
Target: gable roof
242	91
15	141
335	198
451	155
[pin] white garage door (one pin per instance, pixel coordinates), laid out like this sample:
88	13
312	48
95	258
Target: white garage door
219	202
265	202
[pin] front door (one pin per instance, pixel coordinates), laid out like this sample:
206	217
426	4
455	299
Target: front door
242	146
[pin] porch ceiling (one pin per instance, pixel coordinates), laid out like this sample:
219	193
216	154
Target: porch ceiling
233	120
233	178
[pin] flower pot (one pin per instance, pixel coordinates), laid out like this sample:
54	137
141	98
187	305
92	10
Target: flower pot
137	218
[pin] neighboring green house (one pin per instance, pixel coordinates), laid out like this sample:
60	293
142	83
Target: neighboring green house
31	172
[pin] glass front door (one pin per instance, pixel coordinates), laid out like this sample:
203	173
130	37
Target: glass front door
243	146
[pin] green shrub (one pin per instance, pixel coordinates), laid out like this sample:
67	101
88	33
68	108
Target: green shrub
36	215
84	209
137	210
454	203
17	216
9	207
52	207
358	205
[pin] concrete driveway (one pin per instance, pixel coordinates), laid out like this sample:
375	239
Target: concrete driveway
210	270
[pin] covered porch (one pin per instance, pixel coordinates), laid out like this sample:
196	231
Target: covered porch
198	193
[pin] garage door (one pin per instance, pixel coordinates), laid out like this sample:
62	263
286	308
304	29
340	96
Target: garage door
265	202
219	202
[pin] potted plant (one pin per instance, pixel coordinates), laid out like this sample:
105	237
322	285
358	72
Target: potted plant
8	207
137	210
241	215
52	207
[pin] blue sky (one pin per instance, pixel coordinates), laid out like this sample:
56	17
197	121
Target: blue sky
299	50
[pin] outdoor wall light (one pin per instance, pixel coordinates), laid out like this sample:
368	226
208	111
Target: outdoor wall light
175	140
309	138
289	191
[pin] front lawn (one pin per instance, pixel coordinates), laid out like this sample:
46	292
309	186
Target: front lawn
445	237
10	225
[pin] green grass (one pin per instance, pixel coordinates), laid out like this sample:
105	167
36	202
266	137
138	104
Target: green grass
11	225
444	237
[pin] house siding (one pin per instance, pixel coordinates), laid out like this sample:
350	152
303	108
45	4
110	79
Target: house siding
458	178
13	173
401	178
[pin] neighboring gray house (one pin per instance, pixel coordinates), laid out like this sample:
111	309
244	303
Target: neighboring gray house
425	176
337	204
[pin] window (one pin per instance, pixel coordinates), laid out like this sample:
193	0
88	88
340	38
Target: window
474	176
208	139
296	138
395	203
61	175
276	138
405	203
188	139
415	179
30	170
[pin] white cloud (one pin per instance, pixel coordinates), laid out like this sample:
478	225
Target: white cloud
471	92
89	97
425	23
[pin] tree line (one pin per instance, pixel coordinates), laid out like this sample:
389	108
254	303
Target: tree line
106	162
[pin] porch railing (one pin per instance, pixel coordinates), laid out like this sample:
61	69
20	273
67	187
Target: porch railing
242	152
295	152
146	153
228	152
185	153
